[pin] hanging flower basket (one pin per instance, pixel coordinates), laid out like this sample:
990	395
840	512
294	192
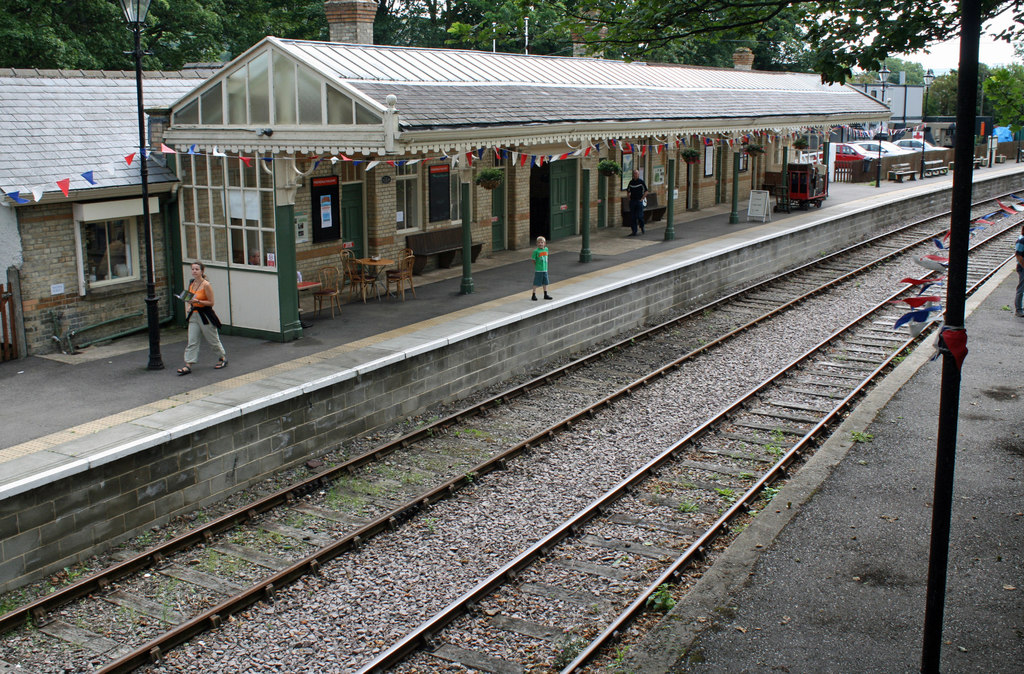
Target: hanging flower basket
690	155
754	149
607	167
801	143
489	178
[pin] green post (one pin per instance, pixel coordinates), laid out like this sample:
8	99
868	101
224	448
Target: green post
719	154
602	201
734	215
670	228
585	215
467	242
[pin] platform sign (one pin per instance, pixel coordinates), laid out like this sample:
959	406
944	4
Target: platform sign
758	207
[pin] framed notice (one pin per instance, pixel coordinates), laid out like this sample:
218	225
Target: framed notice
758	206
439	205
326	220
709	160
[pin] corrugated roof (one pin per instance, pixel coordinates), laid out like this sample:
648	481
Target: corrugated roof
444	87
60	124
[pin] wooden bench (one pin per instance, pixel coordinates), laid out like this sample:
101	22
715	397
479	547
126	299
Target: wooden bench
652	213
935	167
441	242
898	172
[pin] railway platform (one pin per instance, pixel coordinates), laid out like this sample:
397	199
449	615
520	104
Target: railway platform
85	434
831	577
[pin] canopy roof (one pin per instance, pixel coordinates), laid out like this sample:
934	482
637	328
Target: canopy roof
330	97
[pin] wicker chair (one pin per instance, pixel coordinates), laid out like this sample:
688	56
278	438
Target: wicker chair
402	273
329	290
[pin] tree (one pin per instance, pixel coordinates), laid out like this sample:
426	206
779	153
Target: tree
1004	91
843	33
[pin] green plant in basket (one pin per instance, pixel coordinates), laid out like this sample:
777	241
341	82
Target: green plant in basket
489	178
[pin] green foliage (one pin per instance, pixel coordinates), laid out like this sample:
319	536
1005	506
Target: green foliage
661	599
489	175
1004	90
609	167
861	436
688	507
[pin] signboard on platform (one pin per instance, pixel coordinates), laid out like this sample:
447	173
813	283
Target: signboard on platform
758	207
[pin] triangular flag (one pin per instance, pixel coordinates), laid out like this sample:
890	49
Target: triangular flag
955	341
334	160
371	165
89	178
129	158
247	161
915	302
217	152
918	316
16	197
64	184
166	150
37	192
193	149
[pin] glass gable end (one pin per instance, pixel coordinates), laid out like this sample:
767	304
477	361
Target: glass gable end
272	89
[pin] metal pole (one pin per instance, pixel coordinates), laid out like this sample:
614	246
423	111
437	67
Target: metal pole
878	139
670	210
152	309
734	215
585	253
924	129
467	238
956	284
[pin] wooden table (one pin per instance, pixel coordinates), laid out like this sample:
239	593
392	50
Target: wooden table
375	268
303	286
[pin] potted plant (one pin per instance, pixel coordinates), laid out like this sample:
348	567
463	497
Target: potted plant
755	149
608	167
690	155
489	178
801	143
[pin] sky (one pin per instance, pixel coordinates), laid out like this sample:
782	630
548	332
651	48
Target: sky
945	56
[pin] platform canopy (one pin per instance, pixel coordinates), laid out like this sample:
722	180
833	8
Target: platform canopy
325	97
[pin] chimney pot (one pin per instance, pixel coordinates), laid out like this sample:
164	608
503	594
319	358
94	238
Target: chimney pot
743	59
350	21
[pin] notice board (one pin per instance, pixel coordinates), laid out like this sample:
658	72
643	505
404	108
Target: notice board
326	220
758	207
440	193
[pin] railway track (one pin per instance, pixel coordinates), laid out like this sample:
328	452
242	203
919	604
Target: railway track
294	532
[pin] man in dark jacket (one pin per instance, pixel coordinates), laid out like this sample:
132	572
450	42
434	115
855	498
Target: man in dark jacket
637	191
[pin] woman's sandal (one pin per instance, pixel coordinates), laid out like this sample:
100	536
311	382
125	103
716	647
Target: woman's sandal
221	364
184	370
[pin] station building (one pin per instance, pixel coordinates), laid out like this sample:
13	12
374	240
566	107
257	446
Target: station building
297	150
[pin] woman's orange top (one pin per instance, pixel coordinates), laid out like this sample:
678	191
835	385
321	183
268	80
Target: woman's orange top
200	295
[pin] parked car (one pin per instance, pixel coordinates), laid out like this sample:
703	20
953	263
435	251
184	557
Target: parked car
888	149
850	152
915	145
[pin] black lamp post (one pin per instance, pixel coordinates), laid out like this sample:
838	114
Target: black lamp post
883	75
135	14
929	77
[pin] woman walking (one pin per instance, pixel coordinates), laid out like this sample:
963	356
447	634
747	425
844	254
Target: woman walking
201	319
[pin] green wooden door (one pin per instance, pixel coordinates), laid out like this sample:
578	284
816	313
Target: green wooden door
352	226
498	216
563	198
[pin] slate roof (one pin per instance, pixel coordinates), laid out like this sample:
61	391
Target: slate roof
445	88
60	124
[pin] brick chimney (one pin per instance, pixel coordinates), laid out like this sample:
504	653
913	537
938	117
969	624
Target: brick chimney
743	59
350	21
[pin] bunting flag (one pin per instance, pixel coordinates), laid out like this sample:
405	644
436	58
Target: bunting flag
89	178
16	197
917	316
334	160
37	192
64	184
247	161
371	165
954	342
343	157
1011	210
193	149
166	150
586	153
523	158
480	153
927	262
217	152
915	302
128	160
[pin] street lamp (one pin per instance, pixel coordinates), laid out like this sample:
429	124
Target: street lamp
929	77
883	75
135	14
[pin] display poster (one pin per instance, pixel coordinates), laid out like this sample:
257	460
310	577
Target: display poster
438	182
301	227
325	199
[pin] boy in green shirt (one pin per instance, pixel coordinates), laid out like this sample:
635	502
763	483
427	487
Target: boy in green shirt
540	268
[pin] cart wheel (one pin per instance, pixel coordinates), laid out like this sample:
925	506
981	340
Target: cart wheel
818	203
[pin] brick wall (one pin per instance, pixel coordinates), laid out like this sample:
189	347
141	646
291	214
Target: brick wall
48	240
